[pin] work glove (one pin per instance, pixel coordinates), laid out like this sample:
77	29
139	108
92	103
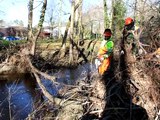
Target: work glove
101	58
97	63
105	56
122	52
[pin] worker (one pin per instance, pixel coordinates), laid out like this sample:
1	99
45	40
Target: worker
129	32
103	59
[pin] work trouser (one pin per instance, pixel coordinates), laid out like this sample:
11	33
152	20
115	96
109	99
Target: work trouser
104	65
132	46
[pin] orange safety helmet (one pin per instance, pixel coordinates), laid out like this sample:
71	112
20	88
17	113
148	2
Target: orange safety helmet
107	33
128	21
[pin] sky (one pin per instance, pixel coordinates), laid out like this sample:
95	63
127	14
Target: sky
11	10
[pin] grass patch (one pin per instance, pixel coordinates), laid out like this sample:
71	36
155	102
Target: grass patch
19	41
6	43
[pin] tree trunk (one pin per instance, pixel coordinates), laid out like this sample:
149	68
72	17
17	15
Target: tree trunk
91	31
106	20
32	39
113	25
76	21
30	20
80	23
71	31
63	47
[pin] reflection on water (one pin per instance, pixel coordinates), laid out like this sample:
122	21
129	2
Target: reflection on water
69	76
19	95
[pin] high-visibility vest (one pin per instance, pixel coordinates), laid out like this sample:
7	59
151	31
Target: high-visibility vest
106	47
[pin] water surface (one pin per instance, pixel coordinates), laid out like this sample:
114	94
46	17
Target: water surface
20	94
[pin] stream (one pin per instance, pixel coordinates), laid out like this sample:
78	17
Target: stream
19	94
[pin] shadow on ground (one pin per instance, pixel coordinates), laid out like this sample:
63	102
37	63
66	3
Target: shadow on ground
119	105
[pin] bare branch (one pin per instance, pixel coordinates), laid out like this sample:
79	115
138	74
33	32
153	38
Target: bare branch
44	90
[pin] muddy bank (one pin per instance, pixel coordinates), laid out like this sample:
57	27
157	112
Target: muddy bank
89	50
47	57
